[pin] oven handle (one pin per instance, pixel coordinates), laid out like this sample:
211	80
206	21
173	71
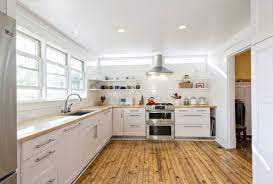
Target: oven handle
160	124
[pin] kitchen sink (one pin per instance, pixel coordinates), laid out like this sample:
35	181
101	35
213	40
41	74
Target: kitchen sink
80	113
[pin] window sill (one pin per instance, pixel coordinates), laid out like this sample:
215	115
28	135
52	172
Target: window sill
40	104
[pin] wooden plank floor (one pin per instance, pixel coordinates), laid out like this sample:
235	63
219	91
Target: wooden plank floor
186	162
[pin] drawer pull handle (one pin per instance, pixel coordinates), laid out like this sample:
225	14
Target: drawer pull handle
134	115
135	125
193	115
45	156
68	129
45	143
134	111
193	126
51	181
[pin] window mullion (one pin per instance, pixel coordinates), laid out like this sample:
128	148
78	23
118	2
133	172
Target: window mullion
69	77
44	71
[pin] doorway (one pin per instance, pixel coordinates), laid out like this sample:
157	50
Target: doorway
242	102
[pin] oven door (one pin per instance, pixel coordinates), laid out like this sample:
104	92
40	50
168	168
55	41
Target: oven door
160	131
161	116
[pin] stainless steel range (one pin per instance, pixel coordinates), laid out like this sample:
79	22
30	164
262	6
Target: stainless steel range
160	121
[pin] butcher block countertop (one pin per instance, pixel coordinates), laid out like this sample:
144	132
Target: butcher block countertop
195	106
36	127
30	129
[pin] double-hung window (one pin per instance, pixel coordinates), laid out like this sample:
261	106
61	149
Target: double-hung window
28	56
77	75
56	73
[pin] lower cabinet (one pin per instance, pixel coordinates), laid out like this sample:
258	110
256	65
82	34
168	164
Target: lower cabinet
118	122
68	155
41	168
192	122
134	122
88	141
60	156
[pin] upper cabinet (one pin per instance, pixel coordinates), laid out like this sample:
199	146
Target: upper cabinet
262	19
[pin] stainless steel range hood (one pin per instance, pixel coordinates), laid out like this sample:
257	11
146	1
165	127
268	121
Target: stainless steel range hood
158	68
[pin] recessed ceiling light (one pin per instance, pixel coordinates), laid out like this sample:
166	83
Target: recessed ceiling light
121	30
182	27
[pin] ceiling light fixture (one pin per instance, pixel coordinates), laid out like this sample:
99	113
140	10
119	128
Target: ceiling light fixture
182	27
121	30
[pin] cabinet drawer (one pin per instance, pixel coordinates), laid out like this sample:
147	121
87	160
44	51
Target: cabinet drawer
134	110
192	119
40	168
201	110
183	110
192	110
39	144
192	131
134	130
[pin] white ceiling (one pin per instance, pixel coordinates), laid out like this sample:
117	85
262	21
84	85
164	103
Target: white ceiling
151	25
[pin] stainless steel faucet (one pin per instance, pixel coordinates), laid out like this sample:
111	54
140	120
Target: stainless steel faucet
68	108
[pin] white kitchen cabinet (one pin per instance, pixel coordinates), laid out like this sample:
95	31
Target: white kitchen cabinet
69	154
41	168
104	128
118	122
88	140
192	122
134	122
108	124
262	19
37	145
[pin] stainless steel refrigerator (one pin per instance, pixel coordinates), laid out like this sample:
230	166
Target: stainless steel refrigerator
8	124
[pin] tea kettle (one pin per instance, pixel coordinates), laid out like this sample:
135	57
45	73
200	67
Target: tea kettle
151	101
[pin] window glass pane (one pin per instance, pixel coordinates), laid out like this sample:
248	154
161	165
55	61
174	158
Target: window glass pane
54	69
27	44
82	93
77	84
56	81
27	94
27	62
27	77
181	60
126	61
76	64
76	75
55	55
55	94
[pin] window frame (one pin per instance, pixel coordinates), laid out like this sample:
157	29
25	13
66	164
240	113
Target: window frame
125	58
65	67
39	69
204	57
79	71
42	65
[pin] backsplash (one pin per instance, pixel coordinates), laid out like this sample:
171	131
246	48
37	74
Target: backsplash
161	88
36	110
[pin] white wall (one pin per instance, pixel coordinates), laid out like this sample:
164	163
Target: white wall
221	89
161	88
32	24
